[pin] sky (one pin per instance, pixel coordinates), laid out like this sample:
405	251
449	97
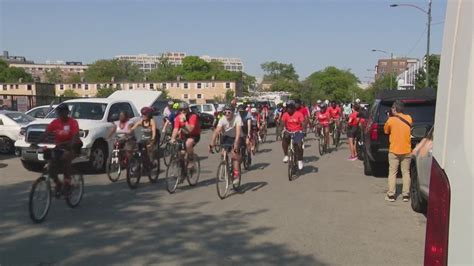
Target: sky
310	34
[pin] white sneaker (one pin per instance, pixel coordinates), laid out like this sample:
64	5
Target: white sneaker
285	159
300	165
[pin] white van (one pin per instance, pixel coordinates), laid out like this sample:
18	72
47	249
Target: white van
449	229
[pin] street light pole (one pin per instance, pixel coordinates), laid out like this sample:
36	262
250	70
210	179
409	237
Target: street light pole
428	47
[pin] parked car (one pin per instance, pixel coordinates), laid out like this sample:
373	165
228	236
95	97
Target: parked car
205	119
420	172
450	217
419	104
40	111
10	127
95	117
208	108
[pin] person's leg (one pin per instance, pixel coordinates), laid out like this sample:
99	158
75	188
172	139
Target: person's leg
326	136
393	162
351	147
236	161
405	168
285	142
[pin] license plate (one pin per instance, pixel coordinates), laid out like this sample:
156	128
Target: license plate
40	156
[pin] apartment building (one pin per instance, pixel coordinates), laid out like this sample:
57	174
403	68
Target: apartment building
230	64
38	71
190	91
30	94
394	65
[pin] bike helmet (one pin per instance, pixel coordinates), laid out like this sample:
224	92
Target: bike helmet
357	100
175	106
146	110
318	101
183	105
170	102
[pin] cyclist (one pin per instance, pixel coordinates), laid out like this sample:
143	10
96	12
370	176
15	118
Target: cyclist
217	116
168	109
231	127
323	120
347	110
169	121
246	129
187	125
255	123
68	144
353	125
148	133
294	122
122	129
335	114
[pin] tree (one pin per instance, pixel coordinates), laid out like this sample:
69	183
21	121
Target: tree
420	79
70	94
106	92
74	78
165	71
248	83
113	70
54	76
229	95
13	74
331	83
275	71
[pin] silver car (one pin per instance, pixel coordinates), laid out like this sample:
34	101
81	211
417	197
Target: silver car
420	173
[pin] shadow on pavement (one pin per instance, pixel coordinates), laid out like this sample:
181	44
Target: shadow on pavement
114	225
253	186
264	150
310	159
258	166
307	169
3	165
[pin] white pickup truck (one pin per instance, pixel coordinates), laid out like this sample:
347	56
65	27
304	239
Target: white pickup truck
95	117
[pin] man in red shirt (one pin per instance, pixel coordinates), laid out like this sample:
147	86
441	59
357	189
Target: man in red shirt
294	123
187	125
323	118
68	144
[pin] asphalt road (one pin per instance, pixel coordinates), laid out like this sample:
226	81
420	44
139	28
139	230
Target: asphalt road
331	215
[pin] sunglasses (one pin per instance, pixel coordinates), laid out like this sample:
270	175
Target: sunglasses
227	112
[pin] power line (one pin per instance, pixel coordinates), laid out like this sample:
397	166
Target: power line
417	42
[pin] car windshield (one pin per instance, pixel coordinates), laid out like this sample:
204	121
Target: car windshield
207	108
198	107
83	110
20	118
419	112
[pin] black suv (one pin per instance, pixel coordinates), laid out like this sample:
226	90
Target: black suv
419	104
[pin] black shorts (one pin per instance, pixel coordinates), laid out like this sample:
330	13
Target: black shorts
229	141
352	132
298	136
195	138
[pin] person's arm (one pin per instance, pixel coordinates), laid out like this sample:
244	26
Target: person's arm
175	129
238	132
386	127
153	129
136	125
112	131
214	135
249	127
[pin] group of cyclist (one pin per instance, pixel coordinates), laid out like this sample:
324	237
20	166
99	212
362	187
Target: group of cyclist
240	127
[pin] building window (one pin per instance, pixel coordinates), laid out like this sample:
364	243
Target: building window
185	96
163	85
130	87
61	86
199	96
213	84
98	86
86	86
227	85
73	86
28	87
152	86
86	96
177	85
79	86
199	85
4	87
185	85
16	86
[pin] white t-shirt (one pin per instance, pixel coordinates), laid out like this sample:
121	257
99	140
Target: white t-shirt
229	126
124	130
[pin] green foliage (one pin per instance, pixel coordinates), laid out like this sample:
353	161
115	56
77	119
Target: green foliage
116	70
106	92
229	95
383	83
277	71
70	94
331	83
420	79
248	83
74	78
54	76
13	74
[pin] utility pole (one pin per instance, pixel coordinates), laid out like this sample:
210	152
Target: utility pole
428	46
391	71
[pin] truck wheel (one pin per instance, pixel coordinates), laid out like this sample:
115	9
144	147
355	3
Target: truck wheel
418	203
6	145
367	165
33	166
98	157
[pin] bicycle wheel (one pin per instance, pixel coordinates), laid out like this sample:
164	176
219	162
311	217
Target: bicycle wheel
195	172
114	169
173	174
39	200
155	168
167	152
218	147
222	182
76	192
321	146
291	168
134	172
245	158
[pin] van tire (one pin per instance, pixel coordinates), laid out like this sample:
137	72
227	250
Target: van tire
98	157
418	203
368	166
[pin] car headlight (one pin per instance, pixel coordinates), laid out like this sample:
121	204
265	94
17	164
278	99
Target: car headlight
83	133
23	131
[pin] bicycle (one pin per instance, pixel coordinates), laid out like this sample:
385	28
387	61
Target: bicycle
278	130
118	161
225	174
335	133
137	166
246	156
217	148
263	132
292	160
177	169
42	190
322	144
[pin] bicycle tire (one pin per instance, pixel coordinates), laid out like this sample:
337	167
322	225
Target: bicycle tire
167	152
77	180
245	158
114	170
173	175
222	179
134	172
39	218
218	147
290	164
193	176
154	172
